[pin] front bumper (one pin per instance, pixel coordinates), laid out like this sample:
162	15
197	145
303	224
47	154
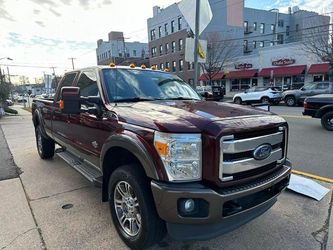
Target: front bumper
252	200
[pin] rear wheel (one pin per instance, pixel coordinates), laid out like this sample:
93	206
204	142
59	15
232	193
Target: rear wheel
265	100
327	121
290	101
132	208
238	100
45	146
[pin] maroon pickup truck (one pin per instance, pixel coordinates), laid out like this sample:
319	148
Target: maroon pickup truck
165	160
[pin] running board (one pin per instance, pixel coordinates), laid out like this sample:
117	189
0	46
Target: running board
84	168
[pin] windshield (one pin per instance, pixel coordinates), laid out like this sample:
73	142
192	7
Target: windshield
142	85
309	86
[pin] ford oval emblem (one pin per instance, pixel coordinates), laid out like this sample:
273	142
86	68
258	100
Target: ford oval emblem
262	152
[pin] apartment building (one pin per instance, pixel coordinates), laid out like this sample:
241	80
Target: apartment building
118	51
262	39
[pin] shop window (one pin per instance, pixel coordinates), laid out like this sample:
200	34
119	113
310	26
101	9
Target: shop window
254	82
318	78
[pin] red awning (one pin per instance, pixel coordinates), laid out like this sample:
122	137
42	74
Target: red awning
239	74
282	71
322	68
215	76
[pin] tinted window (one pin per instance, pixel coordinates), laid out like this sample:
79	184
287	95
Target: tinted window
260	89
67	81
323	85
124	84
88	84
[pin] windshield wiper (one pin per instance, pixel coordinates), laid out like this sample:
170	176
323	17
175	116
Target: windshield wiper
134	99
181	98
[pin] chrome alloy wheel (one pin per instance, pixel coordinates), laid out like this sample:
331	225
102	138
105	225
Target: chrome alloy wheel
127	208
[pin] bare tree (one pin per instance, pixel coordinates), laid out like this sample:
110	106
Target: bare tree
318	40
219	52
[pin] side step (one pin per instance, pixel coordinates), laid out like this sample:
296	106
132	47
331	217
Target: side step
91	173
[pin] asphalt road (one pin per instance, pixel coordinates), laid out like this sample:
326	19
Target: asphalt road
310	146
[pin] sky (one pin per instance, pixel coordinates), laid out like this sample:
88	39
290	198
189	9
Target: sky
46	33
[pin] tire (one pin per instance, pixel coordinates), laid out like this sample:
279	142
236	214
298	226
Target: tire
327	121
290	101
138	206
265	100
45	146
238	100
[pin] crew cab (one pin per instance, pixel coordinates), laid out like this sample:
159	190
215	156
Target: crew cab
297	96
166	160
320	106
259	94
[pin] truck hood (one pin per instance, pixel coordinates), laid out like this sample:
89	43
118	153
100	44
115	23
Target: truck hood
292	92
182	116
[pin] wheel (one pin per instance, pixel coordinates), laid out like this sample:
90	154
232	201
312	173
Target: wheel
327	121
290	101
265	100
45	146
238	100
132	208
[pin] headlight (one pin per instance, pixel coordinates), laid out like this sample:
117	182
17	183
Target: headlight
180	154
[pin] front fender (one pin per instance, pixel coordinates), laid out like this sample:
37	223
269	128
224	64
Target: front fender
132	143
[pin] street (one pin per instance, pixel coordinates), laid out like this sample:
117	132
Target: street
310	146
60	209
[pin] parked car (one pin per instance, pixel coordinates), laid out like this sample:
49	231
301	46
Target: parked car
320	106
165	159
9	102
259	95
297	96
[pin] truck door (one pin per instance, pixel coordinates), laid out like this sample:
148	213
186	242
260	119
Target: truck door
60	122
90	131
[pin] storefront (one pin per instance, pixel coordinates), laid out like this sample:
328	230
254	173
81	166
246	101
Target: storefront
214	79
319	72
242	79
284	77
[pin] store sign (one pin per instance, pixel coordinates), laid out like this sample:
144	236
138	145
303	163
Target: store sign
283	62
243	66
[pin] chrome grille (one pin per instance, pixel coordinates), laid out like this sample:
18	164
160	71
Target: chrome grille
240	153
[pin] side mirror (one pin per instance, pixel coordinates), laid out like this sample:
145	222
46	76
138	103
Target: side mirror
302	89
245	91
70	100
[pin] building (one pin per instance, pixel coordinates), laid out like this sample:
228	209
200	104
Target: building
262	40
118	51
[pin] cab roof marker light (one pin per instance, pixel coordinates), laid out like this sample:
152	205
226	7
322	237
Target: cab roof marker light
143	66
112	65
132	65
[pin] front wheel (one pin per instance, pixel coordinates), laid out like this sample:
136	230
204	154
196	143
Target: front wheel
290	101
132	208
327	121
45	146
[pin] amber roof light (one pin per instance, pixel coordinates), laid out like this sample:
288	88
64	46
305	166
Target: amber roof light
112	65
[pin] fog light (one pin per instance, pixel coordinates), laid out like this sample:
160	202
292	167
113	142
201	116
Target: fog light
189	205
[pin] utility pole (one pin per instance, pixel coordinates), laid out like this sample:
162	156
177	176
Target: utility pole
72	59
196	41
